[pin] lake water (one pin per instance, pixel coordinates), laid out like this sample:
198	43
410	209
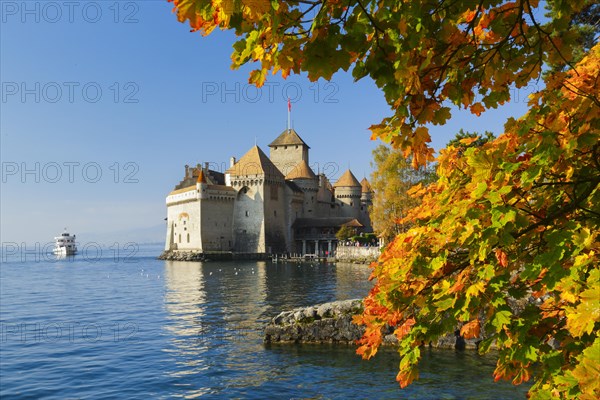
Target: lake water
107	325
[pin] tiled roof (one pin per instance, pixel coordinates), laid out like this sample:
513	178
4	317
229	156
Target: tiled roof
183	190
288	137
329	222
221	187
347	180
254	162
366	186
301	171
212	178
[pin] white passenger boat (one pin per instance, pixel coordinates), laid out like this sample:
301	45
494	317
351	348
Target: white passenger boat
65	245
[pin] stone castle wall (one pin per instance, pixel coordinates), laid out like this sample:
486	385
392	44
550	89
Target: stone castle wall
357	254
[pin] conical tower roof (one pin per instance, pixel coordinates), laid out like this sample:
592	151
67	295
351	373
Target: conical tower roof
288	137
347	180
366	186
301	171
254	162
201	177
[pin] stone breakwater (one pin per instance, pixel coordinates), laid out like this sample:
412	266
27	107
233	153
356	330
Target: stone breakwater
332	323
182	256
324	323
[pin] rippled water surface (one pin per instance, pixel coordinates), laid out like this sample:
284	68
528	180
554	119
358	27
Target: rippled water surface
136	327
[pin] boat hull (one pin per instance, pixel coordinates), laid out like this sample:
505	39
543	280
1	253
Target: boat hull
64	252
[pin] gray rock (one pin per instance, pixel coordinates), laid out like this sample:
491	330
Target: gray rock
325	310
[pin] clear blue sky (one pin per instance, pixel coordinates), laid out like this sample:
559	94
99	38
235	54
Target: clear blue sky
162	106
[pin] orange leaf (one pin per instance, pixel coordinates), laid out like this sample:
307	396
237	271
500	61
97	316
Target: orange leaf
470	15
471	330
404	329
405	377
502	258
477	109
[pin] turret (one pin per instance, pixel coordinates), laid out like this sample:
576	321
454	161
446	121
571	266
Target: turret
366	192
201	184
348	193
304	177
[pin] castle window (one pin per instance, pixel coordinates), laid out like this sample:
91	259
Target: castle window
275	213
247	213
296	146
184	222
180	238
285	147
188	237
351	204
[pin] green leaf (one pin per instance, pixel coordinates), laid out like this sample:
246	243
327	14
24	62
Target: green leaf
501	318
479	191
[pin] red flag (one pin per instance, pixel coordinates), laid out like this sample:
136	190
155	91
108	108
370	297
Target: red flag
289	105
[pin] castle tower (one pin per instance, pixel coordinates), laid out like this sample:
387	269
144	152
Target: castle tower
366	192
366	201
259	211
288	150
201	185
304	177
348	193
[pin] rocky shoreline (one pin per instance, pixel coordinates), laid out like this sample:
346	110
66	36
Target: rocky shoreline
332	323
182	256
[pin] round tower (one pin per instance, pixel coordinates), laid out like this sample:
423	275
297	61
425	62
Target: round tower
201	185
348	192
366	192
304	177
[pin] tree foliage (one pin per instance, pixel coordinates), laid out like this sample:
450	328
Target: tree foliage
514	221
479	141
392	178
345	233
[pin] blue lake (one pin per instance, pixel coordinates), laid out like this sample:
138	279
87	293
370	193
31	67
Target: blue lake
127	325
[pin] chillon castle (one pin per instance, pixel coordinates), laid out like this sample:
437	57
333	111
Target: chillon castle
265	205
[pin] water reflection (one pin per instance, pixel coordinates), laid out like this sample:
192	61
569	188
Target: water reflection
347	277
185	303
217	310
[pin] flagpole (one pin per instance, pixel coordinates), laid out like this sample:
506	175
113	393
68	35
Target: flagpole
289	112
